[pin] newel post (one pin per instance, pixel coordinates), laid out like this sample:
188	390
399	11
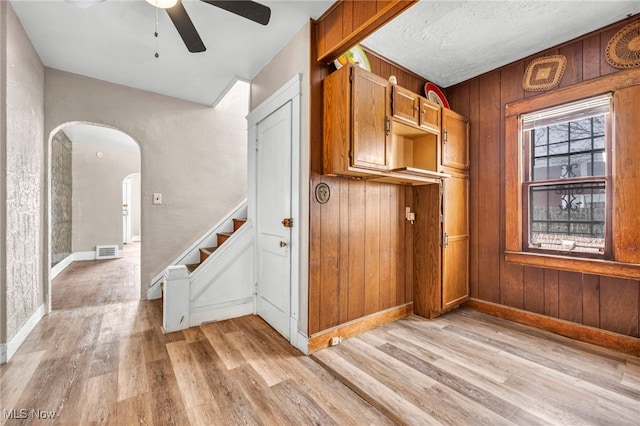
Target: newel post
175	299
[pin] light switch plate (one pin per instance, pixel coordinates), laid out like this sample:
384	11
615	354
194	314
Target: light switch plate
157	198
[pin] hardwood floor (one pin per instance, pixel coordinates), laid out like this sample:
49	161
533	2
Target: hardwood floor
98	282
468	368
110	363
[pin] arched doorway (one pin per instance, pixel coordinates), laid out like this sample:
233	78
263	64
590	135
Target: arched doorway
90	264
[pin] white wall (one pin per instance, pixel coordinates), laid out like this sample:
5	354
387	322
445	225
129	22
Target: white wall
21	136
135	205
294	59
97	193
194	155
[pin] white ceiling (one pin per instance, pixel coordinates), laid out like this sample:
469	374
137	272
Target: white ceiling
114	41
443	41
448	42
99	136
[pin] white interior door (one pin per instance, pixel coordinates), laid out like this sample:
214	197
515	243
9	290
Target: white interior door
126	211
273	189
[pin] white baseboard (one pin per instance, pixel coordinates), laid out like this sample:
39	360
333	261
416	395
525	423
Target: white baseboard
61	266
77	256
84	255
301	342
91	255
136	238
221	312
7	350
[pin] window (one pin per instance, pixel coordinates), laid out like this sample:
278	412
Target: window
566	181
584	191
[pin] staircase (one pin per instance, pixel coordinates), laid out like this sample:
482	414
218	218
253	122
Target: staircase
221	237
214	279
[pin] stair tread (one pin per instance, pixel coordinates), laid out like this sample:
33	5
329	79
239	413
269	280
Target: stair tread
192	266
226	234
208	250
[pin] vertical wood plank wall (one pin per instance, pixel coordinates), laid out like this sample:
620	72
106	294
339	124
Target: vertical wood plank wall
607	303
361	246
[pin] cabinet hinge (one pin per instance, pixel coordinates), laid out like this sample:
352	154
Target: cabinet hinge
441	218
444	136
387	125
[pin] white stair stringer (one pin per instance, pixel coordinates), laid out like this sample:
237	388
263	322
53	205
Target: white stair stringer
223	286
192	254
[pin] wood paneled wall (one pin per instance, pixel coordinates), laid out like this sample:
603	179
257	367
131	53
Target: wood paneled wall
361	246
598	301
348	21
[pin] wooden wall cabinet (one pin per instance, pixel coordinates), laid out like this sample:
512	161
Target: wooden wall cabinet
410	108
442	263
356	122
455	241
455	140
364	139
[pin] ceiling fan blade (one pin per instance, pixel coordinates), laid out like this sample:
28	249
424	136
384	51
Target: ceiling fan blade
252	10
185	27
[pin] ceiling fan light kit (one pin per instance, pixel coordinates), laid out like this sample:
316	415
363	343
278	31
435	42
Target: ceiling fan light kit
162	4
248	9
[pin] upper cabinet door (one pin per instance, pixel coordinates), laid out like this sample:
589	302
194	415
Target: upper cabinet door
406	105
371	127
430	115
455	140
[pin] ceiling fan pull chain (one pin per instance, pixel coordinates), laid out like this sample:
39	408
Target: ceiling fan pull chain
157	55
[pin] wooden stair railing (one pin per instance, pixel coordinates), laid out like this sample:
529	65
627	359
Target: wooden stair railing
205	252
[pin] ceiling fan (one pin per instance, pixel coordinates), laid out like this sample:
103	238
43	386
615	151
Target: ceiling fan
251	10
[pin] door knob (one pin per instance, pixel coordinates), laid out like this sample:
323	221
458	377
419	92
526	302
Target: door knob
283	244
287	222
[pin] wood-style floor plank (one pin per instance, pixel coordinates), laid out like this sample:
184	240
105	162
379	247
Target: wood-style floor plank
478	369
109	363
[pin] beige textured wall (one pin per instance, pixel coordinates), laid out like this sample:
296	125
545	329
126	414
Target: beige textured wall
97	194
3	178
61	190
294	58
194	155
24	156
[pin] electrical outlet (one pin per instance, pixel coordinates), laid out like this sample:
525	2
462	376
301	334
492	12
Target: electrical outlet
335	340
157	198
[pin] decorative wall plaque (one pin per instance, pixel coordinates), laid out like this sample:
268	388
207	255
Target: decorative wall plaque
544	73
323	193
623	50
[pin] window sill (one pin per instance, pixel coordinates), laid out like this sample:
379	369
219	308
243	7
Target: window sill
587	266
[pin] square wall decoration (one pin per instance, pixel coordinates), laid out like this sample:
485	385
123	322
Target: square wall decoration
544	73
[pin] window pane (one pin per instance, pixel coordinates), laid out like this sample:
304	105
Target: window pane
558	132
568	217
569	150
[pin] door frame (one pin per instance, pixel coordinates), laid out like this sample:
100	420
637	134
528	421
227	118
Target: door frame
127	236
289	92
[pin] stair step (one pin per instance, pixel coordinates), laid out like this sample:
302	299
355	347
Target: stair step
206	252
192	266
223	236
237	223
